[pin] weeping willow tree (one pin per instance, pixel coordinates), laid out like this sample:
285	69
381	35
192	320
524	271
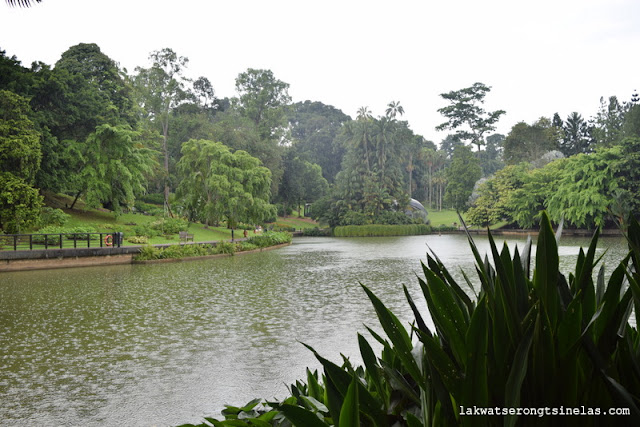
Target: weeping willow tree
218	184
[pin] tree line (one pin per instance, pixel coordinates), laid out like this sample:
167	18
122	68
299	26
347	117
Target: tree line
87	128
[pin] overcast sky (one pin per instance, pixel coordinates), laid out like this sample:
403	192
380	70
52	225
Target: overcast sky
539	57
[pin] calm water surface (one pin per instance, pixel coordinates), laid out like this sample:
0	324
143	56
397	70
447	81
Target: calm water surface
165	344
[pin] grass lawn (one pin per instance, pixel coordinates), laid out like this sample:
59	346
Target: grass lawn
444	217
103	220
296	222
449	216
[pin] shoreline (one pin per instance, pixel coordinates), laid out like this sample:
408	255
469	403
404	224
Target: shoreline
89	257
609	232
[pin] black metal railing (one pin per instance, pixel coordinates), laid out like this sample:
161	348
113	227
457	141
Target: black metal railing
18	242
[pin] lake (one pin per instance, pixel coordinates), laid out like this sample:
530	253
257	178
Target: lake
165	344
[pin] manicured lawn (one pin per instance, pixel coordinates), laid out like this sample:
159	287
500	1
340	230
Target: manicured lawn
444	217
102	220
295	222
449	216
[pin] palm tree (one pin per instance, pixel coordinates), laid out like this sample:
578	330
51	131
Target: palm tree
22	3
394	108
364	113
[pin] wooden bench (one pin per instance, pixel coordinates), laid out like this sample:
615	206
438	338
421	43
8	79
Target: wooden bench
185	236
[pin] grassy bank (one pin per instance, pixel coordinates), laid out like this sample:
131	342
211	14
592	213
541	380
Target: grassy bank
449	217
261	241
133	224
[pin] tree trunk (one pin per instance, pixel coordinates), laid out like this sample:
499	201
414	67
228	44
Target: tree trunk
410	174
165	149
76	199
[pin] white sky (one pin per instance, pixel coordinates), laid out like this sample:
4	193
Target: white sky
539	57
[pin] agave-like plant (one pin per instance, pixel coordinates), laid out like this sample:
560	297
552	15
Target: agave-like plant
528	339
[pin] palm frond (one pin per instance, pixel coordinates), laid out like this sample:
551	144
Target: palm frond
22	3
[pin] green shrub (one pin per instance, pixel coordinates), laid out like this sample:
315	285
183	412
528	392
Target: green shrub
138	240
225	248
381	230
355	218
148	253
51	240
194	250
283	227
393	218
170	225
270	238
526	339
148	208
53	217
145	230
281	211
154	198
316	232
81	233
245	246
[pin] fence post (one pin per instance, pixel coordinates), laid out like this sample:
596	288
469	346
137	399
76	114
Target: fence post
30	242
88	240
15	242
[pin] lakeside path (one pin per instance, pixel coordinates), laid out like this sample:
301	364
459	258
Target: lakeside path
41	259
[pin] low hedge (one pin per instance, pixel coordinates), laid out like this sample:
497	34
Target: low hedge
381	230
184	251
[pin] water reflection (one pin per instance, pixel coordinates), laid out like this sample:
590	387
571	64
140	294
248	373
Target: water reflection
164	344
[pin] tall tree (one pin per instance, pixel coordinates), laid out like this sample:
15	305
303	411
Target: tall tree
434	161
220	185
631	127
315	129
462	175
526	143
627	196
577	136
19	161
449	144
20	203
491	159
161	88
466	116
112	167
608	123
240	133
94	93
372	181
393	109
302	182
586	187
264	99
20	152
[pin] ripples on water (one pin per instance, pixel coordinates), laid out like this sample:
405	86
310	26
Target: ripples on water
164	344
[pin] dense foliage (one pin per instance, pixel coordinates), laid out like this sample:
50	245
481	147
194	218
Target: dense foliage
89	129
587	190
525	340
